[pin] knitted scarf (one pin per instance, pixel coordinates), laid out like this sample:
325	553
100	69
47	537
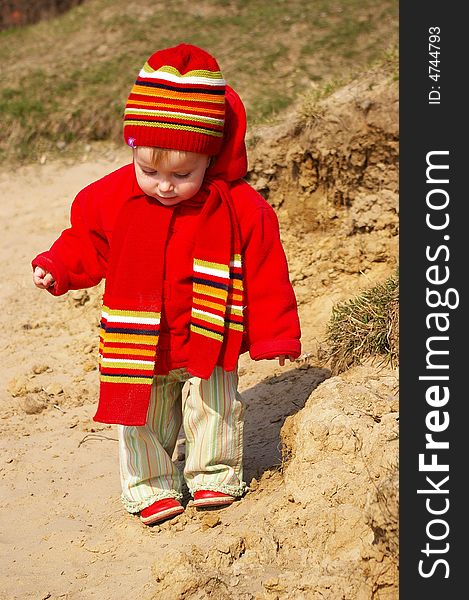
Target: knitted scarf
132	300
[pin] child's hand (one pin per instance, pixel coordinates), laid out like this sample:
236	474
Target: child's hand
42	279
282	357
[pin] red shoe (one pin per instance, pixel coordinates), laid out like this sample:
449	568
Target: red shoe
206	498
161	510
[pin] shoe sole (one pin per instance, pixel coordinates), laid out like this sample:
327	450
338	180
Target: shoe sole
162	515
212	502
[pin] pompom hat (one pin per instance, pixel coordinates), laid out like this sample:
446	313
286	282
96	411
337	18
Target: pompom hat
177	102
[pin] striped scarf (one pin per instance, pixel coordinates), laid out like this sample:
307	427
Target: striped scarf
132	300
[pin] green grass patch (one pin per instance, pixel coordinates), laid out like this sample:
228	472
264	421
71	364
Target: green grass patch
365	326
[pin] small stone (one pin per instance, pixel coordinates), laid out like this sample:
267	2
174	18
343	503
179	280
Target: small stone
31	405
261	184
254	484
17	386
210	520
33	388
89	365
273	584
54	389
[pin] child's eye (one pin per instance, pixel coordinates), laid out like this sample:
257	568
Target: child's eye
149	172
181	175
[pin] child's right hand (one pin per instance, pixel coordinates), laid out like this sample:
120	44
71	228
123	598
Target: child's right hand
42	279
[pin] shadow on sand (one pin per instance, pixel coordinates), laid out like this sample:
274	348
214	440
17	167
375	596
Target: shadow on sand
268	404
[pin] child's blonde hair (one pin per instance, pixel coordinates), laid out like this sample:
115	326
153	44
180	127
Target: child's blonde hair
159	156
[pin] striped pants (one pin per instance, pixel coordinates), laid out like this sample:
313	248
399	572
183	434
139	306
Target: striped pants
211	413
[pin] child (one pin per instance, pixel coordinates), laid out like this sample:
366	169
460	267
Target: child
195	276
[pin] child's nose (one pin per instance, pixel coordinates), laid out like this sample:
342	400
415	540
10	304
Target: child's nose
165	185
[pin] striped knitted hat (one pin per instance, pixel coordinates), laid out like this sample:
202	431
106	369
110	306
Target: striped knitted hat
177	102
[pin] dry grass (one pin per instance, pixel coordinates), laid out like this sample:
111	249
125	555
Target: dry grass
365	326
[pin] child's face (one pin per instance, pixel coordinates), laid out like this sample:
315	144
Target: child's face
178	176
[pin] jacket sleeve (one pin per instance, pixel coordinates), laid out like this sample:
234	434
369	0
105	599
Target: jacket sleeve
78	258
271	314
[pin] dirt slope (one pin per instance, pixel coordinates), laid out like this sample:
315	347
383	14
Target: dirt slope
320	519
